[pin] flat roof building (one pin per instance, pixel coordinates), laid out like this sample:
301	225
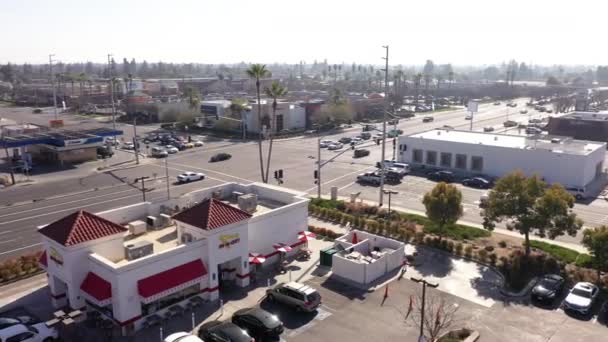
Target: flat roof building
135	262
581	125
556	159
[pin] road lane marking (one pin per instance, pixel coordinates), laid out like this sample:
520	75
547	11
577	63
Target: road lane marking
21	248
337	178
206	170
7	241
6	232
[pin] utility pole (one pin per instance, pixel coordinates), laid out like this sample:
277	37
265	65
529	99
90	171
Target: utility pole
390	193
135	142
143	185
110	67
319	168
386	106
424	285
53	84
167	177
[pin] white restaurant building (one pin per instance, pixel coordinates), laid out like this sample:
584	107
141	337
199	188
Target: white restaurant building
132	262
574	163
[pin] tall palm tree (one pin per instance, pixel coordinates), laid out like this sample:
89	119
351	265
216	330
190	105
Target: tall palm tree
256	72
238	108
417	81
427	82
275	91
450	79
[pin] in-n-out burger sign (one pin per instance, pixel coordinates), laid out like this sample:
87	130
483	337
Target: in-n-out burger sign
228	240
55	256
74	142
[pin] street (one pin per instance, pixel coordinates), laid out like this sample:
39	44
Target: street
101	190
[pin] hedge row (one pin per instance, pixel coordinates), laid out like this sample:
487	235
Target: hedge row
563	254
19	267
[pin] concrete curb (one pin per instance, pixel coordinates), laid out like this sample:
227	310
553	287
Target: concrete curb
524	292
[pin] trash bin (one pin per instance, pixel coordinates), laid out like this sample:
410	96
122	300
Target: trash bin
326	256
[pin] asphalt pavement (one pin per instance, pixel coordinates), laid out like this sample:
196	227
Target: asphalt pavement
23	208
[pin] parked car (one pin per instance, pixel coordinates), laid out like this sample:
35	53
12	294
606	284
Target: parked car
390	171
258	322
216	331
488	129
447	127
335	146
6	322
393	133
369	178
220	157
128	146
33	333
300	296
549	111
105	151
581	298
187	177
497	103
181	145
533	130
510	123
345	140
548	288
441	176
325	143
360	153
523	111
365	135
578	193
171	149
477	182
428	119
356	141
182	337
535	121
159	152
198	143
111	141
469	117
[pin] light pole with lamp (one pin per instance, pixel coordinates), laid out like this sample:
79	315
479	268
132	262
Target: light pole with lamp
390	193
386	104
424	285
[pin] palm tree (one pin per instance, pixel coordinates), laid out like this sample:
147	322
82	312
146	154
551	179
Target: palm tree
275	91
427	82
417	81
439	80
258	71
239	106
450	78
193	99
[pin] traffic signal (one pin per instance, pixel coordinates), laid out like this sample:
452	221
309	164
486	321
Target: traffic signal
281	174
316	174
377	141
276	174
394	141
217	116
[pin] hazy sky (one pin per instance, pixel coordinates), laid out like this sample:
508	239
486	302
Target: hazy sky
225	31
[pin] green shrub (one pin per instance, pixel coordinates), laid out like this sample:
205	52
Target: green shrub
419	237
443	244
493	258
468	251
428	241
489	248
502	244
483	255
457	232
563	254
450	246
458	248
584	260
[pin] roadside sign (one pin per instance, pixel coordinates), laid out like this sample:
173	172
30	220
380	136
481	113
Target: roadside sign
472	106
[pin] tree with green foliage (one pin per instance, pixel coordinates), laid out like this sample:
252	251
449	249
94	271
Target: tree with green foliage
596	241
531	207
553	81
275	91
238	108
257	72
443	206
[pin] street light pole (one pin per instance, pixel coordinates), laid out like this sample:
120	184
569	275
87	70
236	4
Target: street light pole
424	285
386	102
390	193
167	177
53	84
135	142
110	67
319	168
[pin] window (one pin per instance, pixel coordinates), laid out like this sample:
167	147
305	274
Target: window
20	337
417	156
461	161
402	147
446	159
279	123
431	157
477	163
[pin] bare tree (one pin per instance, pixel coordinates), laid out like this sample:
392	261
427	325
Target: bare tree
439	316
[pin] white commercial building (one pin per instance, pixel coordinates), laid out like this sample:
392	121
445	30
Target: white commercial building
290	115
365	257
135	262
561	160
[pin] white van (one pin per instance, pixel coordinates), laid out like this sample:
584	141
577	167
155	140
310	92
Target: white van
391	163
578	193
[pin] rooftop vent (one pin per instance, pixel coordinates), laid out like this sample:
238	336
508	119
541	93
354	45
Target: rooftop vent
248	202
138	250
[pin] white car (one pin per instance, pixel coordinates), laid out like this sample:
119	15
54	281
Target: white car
581	297
334	146
33	333
357	141
171	149
128	146
182	337
325	143
468	117
190	176
197	143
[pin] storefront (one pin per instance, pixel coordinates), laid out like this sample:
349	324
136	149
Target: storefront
101	262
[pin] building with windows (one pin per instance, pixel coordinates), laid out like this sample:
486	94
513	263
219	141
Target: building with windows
133	263
580	125
290	116
556	159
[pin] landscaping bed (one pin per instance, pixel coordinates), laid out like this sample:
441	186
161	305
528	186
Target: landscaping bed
505	252
19	268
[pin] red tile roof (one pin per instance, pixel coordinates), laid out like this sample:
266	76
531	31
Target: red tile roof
171	278
96	287
211	214
42	260
80	227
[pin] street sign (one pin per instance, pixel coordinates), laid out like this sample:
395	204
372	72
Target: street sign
472	106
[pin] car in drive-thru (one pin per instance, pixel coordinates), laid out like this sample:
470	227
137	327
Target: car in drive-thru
300	296
216	331
258	322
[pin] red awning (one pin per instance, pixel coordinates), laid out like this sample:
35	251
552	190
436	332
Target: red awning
170	279
96	287
43	260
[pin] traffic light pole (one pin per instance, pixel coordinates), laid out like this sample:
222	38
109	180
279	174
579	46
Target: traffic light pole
386	99
319	168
